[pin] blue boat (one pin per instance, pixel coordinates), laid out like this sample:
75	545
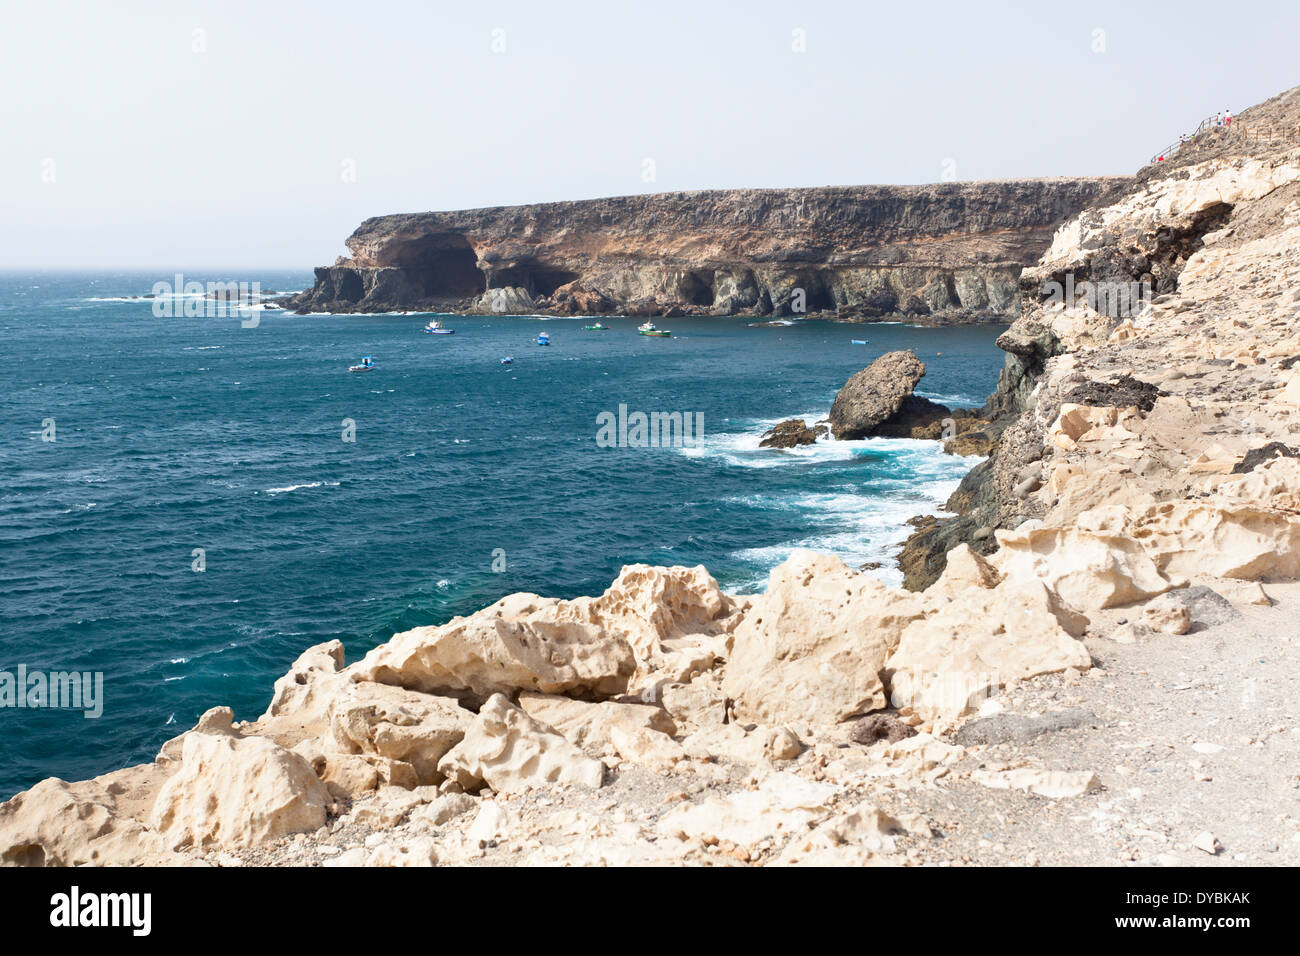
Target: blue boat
508	360
858	341
543	339
367	365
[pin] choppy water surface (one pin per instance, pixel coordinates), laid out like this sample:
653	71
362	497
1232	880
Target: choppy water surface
177	434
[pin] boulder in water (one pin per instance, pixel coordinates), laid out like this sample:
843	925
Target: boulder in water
879	400
791	433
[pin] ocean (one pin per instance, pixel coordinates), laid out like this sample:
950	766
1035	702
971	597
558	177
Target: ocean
201	516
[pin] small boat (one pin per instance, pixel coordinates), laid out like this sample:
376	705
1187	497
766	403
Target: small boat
508	360
648	328
858	341
543	339
595	328
367	365
436	328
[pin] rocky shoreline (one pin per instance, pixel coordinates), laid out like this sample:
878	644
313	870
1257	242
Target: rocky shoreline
941	254
1220	193
1094	661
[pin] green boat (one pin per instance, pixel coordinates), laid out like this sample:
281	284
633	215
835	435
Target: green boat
649	329
595	328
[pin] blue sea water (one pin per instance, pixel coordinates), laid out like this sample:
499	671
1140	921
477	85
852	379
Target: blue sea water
177	434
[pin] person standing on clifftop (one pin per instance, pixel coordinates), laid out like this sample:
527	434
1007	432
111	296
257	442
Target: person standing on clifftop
1227	117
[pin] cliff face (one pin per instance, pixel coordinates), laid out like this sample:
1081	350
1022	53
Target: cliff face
951	252
1155	343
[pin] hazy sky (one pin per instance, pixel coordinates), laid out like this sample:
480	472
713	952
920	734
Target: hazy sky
259	134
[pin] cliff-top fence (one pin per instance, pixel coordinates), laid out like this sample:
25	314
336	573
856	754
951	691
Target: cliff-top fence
1247	132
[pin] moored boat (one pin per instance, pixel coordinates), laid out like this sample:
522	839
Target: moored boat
437	328
649	328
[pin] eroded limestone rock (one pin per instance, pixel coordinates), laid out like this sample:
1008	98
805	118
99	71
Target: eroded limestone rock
812	647
58	824
511	752
237	792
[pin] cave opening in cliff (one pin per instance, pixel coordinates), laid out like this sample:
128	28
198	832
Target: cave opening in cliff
441	266
817	294
351	288
697	288
546	281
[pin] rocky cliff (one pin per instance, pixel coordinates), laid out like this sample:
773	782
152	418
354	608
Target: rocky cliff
1154	349
950	252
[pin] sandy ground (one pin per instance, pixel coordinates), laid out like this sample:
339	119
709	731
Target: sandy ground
1188	734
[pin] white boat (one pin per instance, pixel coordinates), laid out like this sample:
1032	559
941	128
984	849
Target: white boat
436	328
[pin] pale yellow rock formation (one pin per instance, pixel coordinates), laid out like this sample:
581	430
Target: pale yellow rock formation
965	570
812	647
650	605
216	720
1089	569
349	775
1167	615
729	742
60	824
638	733
783	804
237	792
950	661
1046	783
386	808
487	653
694	705
588	724
398	724
416	851
922	759
511	752
310	683
853	838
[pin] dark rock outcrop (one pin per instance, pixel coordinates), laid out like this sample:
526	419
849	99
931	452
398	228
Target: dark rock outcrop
873	398
917	418
1124	392
1257	456
943	253
791	433
882	726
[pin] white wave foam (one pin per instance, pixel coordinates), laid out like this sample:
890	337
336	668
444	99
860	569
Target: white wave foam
864	522
950	399
741	449
312	484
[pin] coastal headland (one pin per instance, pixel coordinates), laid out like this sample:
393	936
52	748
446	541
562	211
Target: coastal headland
939	254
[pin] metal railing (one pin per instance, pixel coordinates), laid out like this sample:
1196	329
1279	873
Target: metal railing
1249	132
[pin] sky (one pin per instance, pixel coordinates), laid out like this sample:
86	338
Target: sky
259	134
